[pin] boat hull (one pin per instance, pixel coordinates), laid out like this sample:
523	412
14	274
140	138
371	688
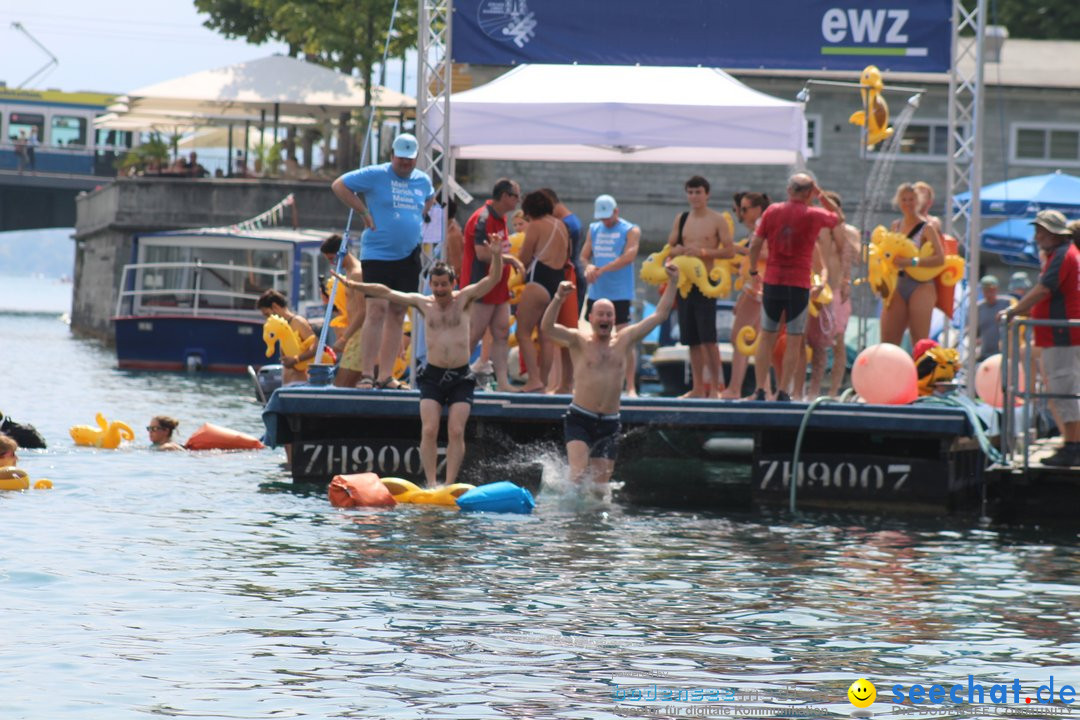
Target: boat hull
163	342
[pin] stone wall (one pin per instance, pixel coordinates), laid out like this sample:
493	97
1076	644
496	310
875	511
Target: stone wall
107	220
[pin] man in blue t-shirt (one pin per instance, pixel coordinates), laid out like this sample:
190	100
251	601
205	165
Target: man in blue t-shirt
608	253
396	198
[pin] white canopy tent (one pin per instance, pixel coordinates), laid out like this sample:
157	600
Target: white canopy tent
277	83
592	113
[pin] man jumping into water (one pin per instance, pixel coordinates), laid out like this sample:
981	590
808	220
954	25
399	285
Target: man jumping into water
591	424
446	379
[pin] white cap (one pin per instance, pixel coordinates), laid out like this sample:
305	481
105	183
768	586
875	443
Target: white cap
604	207
406	146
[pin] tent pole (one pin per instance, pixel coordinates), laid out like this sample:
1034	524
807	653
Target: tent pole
247	144
229	157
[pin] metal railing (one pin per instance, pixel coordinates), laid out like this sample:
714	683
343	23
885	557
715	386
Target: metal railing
132	296
1012	356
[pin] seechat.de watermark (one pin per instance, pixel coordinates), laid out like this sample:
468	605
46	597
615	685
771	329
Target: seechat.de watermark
975	693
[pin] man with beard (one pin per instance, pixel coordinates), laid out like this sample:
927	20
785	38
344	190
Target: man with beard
446	379
600	356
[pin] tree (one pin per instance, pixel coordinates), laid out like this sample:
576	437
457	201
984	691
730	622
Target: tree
346	35
1036	19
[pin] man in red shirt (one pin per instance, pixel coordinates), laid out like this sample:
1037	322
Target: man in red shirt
791	228
1057	297
488	224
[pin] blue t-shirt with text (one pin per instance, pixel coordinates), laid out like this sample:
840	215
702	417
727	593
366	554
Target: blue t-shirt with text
607	245
397	206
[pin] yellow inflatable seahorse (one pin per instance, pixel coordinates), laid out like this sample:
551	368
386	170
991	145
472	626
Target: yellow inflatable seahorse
717	283
407	492
877	124
746	342
821	299
106	435
883	274
276	330
340	303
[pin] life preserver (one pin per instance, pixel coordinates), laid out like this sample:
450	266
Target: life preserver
13	478
215	437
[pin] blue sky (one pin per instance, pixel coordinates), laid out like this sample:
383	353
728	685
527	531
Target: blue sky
117	45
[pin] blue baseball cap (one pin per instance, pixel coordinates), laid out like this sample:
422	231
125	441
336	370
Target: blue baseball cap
604	207
406	146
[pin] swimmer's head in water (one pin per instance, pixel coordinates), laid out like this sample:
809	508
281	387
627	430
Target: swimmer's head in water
602	317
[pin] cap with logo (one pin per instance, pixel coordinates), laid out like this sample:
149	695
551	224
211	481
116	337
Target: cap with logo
406	146
604	207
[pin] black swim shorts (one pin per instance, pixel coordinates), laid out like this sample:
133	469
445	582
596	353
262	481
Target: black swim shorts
697	318
446	386
780	300
402	275
599	432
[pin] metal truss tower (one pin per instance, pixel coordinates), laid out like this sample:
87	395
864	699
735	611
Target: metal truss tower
964	220
433	92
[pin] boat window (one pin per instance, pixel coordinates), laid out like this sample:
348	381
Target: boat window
25	122
68	131
307	281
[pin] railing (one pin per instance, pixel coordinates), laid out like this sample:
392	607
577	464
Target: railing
1010	377
191	300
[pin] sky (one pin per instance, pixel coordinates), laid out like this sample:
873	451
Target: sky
117	45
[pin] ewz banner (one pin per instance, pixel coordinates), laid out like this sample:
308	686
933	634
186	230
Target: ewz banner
901	35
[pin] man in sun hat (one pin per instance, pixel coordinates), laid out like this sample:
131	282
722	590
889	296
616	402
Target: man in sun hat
1019	283
396	198
1056	296
987	335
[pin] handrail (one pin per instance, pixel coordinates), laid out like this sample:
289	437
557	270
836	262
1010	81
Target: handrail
1011	357
276	278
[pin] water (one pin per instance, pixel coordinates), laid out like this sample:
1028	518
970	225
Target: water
195	585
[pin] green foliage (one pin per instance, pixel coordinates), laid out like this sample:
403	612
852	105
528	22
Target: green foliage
139	157
268	158
1035	19
342	34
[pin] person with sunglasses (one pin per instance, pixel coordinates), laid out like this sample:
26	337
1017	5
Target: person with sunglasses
161	429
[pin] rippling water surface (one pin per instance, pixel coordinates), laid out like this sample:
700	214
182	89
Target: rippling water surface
198	585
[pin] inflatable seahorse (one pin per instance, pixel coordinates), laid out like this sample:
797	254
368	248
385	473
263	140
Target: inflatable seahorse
716	283
877	123
883	274
821	299
276	330
747	339
106	435
340	303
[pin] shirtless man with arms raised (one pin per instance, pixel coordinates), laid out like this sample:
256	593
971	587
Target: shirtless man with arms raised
446	379
704	233
600	357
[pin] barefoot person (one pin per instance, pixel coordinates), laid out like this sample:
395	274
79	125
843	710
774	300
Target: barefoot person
749	206
701	232
600	357
790	229
350	369
271	303
446	379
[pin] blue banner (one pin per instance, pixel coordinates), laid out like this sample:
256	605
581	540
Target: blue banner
896	35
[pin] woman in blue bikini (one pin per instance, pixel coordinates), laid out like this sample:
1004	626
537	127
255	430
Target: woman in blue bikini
913	302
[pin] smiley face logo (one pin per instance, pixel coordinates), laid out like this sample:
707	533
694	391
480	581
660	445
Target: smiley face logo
862	693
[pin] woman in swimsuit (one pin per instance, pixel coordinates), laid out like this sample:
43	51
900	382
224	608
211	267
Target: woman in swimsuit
544	252
913	302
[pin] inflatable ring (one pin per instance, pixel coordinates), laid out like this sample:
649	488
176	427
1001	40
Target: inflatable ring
13	478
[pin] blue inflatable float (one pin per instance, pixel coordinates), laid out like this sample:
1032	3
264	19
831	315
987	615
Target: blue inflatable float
503	496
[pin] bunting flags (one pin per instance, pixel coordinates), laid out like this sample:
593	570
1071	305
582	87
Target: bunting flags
271	218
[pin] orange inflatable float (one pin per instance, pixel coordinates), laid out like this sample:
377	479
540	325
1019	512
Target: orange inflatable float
359	490
215	437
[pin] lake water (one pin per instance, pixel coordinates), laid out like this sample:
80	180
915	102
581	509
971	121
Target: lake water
198	585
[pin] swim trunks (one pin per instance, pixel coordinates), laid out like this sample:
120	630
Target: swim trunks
599	432
350	357
402	275
780	300
697	318
446	386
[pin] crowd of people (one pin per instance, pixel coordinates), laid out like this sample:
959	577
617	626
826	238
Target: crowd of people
525	260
